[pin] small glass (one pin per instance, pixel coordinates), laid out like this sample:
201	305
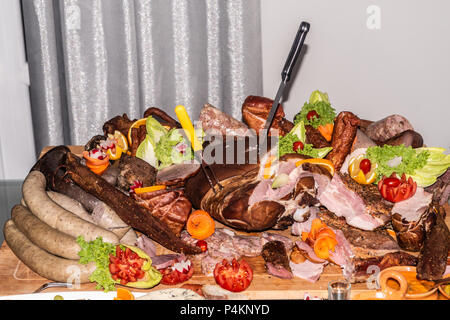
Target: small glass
339	290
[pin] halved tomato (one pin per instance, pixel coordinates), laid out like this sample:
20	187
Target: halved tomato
235	276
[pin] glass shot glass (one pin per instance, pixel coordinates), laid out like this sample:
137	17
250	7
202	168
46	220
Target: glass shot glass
339	290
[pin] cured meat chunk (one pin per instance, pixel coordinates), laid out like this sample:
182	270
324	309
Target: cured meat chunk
213	121
388	127
344	133
362	206
277	261
433	255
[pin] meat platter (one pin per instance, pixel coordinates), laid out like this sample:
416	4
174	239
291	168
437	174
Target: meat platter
332	196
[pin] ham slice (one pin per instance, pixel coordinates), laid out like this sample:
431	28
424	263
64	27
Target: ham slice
339	198
412	209
307	270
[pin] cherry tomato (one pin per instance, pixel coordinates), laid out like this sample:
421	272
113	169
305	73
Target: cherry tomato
392	182
312	114
234	277
297	145
365	165
394	189
202	244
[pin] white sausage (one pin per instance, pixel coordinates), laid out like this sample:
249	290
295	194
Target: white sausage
39	203
43	263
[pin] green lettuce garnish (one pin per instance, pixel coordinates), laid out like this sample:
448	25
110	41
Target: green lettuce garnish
410	159
437	164
98	251
298	133
146	150
173	148
319	102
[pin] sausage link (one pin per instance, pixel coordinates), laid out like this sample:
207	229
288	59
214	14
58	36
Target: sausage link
44	236
43	263
39	203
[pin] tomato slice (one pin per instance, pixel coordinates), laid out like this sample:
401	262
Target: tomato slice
171	276
235	277
126	266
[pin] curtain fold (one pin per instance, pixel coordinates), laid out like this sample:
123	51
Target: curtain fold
90	60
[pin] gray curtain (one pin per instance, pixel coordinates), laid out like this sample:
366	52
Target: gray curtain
91	60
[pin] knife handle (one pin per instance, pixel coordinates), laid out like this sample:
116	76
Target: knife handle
186	124
295	51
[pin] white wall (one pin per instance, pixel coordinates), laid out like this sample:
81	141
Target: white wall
17	152
403	68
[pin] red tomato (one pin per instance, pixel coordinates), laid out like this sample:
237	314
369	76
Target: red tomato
396	190
202	244
234	277
365	165
126	266
171	276
297	145
312	114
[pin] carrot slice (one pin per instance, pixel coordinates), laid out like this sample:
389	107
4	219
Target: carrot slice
323	245
200	225
96	165
326	130
316	225
149	189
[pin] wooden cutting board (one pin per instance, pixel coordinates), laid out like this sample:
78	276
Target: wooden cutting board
16	278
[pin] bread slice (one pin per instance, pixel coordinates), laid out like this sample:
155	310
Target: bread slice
214	292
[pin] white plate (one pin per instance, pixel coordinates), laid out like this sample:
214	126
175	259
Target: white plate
69	295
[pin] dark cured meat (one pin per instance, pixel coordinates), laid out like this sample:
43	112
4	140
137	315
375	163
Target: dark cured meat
132	169
121	123
314	137
277	261
433	255
441	189
409	138
364	243
361	266
344	132
162	117
125	207
170	206
255	111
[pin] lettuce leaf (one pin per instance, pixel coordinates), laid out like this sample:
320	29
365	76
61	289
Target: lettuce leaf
98	251
298	133
320	103
411	160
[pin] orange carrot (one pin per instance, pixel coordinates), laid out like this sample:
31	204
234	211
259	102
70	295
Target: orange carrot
326	130
96	165
200	225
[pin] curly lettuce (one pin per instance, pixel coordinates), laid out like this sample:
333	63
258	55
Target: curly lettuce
298	133
407	159
320	103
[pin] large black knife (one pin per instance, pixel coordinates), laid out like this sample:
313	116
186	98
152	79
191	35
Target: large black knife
286	73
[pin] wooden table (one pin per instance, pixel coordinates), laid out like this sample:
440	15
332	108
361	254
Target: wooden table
16	278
